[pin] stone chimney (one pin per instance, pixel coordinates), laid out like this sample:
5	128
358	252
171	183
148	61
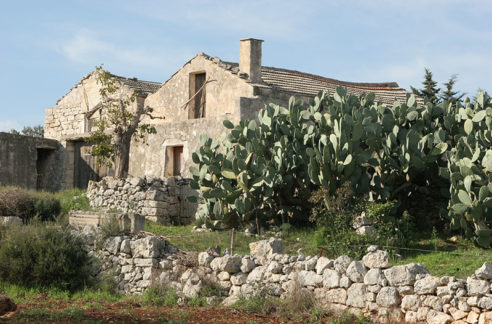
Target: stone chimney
250	58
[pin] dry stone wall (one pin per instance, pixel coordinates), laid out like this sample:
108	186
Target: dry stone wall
399	293
159	200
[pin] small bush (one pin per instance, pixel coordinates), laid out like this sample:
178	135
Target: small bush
44	256
334	216
28	204
162	295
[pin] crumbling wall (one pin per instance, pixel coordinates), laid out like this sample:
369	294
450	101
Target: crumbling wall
160	200
30	162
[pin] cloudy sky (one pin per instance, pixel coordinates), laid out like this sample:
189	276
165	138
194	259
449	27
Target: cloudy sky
48	46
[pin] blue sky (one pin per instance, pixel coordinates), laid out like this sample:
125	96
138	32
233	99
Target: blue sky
48	46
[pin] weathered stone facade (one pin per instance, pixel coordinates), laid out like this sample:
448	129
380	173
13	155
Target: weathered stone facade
30	162
194	101
163	201
399	293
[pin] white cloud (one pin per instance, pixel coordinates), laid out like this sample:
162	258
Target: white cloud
7	125
250	18
88	47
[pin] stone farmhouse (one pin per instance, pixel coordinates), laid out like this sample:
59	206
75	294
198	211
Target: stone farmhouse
193	101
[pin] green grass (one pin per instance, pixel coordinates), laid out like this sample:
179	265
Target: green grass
442	256
457	257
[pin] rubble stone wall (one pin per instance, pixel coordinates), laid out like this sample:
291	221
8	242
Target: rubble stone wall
371	285
160	200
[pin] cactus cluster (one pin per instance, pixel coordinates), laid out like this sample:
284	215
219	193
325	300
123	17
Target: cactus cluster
383	151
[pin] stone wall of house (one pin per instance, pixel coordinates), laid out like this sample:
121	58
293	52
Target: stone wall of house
30	162
371	285
160	200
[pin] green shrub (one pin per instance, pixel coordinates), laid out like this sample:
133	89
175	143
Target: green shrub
45	256
162	295
334	215
28	204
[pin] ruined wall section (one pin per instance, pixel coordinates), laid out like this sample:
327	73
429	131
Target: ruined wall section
29	162
67	118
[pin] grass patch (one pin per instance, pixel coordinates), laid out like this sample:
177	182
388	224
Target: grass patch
160	296
183	238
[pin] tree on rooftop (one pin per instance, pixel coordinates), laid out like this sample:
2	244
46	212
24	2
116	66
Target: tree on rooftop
120	121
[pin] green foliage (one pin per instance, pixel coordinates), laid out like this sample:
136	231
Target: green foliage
429	90
160	296
28	204
470	170
449	94
335	224
34	131
119	122
385	152
44	256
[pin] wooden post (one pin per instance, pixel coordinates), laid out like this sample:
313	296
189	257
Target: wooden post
232	241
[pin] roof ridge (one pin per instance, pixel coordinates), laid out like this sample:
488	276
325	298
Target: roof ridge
390	85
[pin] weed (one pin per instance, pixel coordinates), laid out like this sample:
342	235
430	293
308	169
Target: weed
161	295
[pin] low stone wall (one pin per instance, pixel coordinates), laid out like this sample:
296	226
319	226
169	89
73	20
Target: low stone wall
371	285
129	222
161	200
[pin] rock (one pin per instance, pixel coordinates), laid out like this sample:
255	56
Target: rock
376	259
338	295
411	317
360	221
10	221
256	275
310	264
148	247
373	277
426	286
404	275
366	230
341	263
356	271
422	313
309	278
484	272
485	303
472	317
112	244
388	297
126	246
239	279
457	314
7	306
372	248
224	276
356	295
262	250
477	287
275	267
231	300
485	318
247	265
435	317
331	279
204	259
345	282
433	302
322	264
231	264
410	302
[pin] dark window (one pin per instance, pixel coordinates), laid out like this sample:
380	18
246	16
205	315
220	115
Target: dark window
177	159
198	95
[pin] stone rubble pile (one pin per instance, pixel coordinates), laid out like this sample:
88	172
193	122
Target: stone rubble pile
369	285
156	199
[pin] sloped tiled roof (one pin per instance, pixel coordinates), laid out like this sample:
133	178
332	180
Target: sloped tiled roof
310	85
305	84
146	87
